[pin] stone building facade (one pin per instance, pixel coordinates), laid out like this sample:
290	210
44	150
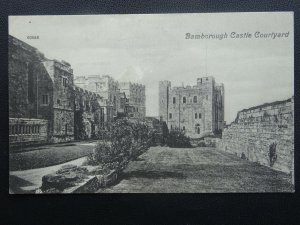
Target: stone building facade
136	98
60	101
88	114
40	89
121	97
43	99
263	134
197	110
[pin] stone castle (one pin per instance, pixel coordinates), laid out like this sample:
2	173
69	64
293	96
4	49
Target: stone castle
197	110
46	103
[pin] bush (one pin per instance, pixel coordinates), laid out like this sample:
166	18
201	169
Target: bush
103	153
127	140
201	144
272	154
177	139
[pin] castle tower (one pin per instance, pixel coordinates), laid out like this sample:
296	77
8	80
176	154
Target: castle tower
163	97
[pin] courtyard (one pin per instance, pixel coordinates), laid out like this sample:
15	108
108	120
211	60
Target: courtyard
159	170
191	170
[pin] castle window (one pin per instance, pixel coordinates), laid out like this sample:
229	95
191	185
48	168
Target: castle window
45	99
174	100
196	115
199	115
137	109
184	100
206	78
195	99
58	101
183	128
65	81
170	115
197	128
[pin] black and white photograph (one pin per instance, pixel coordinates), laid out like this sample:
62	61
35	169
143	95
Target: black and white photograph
151	103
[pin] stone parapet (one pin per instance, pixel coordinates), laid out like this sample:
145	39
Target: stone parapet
24	131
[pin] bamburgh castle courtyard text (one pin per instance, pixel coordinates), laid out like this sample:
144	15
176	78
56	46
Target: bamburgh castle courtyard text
128	111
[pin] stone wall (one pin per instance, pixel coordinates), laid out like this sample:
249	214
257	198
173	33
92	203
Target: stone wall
24	67
263	134
87	119
61	123
163	93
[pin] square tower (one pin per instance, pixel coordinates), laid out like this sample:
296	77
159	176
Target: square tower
164	87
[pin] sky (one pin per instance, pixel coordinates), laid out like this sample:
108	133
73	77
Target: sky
147	48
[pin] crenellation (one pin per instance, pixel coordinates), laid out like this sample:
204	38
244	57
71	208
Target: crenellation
198	110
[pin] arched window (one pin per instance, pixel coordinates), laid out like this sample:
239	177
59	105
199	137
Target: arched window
174	100
200	115
184	99
198	130
183	128
195	99
196	115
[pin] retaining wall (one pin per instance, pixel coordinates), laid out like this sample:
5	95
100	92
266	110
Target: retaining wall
261	130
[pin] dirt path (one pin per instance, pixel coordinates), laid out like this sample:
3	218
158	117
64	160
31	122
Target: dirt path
28	180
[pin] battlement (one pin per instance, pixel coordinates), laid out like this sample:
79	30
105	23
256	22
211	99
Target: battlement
204	103
85	92
62	65
165	83
137	85
205	80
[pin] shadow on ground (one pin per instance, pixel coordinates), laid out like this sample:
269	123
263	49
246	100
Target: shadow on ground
138	160
151	174
15	183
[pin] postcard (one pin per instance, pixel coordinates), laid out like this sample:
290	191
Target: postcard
151	103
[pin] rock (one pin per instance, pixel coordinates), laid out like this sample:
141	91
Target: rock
65	177
52	191
66	168
96	170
